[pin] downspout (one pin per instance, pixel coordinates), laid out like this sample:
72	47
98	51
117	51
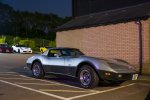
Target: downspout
140	46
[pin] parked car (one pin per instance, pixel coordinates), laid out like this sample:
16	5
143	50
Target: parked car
21	49
5	48
89	70
43	49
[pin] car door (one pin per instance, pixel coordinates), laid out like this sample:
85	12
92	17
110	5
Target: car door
71	65
71	62
55	62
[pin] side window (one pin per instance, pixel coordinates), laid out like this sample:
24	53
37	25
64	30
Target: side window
65	53
53	53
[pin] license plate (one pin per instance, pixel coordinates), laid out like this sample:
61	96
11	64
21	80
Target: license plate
7	50
135	76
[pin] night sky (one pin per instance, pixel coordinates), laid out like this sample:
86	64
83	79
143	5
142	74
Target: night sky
62	8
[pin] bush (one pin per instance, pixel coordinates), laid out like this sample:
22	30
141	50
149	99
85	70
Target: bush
2	39
33	43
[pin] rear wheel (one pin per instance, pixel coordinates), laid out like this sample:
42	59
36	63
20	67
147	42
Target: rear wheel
37	70
88	77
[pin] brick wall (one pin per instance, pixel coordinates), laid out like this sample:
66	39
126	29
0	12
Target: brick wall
110	41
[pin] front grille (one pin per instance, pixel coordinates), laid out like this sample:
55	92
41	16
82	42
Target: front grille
125	76
120	76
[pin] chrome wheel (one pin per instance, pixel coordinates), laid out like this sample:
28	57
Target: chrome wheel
36	70
85	77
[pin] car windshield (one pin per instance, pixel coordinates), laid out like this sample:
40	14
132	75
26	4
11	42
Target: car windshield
71	52
4	45
21	46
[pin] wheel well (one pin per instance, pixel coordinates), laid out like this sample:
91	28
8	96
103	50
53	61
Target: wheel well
86	63
34	62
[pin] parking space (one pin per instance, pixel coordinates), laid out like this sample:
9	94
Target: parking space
16	83
51	88
57	90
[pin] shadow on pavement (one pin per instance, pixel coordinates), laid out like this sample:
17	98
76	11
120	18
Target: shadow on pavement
60	79
148	96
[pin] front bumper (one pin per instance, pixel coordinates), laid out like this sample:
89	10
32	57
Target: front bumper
26	51
111	76
28	66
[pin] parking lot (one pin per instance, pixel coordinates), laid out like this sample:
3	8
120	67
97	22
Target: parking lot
16	83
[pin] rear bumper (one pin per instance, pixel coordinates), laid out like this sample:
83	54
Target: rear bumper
111	76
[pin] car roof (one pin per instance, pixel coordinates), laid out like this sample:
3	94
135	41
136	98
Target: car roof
60	48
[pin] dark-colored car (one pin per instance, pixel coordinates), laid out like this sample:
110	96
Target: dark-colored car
5	48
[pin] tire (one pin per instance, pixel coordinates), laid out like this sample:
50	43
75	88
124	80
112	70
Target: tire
87	77
37	70
18	50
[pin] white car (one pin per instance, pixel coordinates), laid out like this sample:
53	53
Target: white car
21	49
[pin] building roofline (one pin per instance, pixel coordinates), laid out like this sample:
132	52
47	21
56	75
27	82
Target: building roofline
125	14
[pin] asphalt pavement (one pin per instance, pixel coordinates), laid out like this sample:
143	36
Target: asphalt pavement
17	83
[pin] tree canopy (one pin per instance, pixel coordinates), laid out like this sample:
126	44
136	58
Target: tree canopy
26	24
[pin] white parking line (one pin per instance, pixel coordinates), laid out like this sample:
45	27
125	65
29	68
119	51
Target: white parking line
46	90
34	83
61	84
24	76
113	89
27	88
16	78
8	72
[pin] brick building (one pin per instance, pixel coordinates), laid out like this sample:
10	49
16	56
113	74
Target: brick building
120	33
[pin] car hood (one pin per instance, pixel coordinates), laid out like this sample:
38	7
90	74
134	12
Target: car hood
24	48
115	64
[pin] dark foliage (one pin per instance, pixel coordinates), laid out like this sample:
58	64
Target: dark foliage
30	25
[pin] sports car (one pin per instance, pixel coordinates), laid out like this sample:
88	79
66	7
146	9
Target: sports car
5	48
89	70
21	49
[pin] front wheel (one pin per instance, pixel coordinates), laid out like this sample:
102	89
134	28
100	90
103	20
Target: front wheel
18	50
37	70
88	77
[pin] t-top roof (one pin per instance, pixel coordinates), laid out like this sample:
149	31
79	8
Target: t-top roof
107	17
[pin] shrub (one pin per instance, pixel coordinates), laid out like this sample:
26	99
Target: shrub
2	39
33	43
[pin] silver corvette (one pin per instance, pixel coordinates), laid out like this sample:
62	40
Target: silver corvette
89	70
